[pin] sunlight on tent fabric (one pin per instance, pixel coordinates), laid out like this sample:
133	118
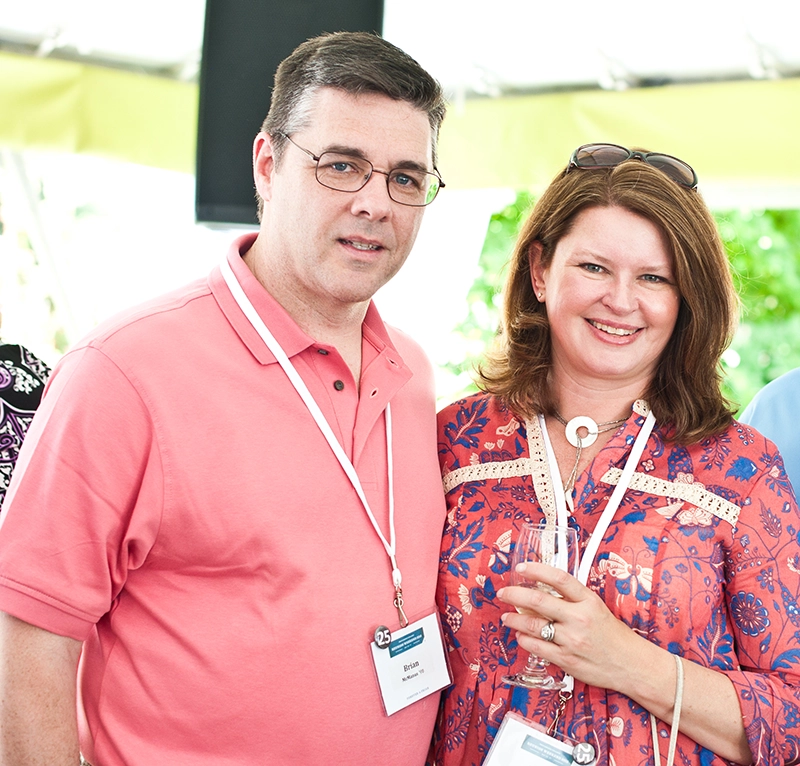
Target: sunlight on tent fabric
85	237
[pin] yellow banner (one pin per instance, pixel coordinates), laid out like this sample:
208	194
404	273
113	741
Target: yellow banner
71	107
730	132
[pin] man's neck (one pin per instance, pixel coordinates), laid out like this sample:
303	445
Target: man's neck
333	324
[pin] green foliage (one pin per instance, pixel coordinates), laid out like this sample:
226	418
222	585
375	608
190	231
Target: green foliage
483	318
764	250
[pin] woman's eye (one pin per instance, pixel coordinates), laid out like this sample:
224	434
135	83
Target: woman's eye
592	268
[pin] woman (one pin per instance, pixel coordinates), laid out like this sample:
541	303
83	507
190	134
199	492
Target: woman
619	303
22	380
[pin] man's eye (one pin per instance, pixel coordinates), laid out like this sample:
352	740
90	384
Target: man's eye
340	166
407	181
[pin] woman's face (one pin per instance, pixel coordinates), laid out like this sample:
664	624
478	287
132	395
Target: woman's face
611	299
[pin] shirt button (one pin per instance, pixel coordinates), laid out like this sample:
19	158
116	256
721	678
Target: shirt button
338	385
322	351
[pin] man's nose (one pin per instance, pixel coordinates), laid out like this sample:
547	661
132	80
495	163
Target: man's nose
373	198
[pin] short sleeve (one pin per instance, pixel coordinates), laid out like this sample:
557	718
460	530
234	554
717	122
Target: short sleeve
85	501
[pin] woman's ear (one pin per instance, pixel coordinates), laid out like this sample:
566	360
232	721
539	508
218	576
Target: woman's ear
537	271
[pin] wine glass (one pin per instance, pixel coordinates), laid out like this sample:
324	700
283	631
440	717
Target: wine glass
558	547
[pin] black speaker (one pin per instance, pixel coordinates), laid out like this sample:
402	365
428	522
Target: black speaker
243	43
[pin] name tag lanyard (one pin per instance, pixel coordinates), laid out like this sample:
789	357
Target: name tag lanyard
587	559
272	344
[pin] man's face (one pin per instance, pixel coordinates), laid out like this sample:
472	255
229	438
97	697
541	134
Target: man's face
334	248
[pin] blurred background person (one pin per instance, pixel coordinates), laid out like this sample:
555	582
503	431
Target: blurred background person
774	411
22	380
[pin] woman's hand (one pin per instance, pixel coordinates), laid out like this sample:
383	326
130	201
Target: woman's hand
595	647
590	643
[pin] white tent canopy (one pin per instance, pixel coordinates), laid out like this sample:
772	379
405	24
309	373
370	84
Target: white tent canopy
472	47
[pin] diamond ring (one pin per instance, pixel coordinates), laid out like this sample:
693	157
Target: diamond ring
548	632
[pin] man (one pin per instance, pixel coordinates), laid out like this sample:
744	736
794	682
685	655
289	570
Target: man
773	411
179	520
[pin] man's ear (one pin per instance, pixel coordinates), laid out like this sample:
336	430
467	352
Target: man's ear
263	165
537	272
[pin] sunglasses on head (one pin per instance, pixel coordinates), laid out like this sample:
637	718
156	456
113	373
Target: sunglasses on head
590	156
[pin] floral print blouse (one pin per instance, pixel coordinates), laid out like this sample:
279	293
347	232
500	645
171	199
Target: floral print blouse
22	380
702	558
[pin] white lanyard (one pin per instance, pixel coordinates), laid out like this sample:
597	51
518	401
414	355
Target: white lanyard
605	519
274	346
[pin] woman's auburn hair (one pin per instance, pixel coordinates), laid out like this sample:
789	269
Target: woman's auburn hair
685	392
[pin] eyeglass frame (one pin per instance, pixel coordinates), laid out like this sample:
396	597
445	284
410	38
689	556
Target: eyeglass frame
633	154
373	169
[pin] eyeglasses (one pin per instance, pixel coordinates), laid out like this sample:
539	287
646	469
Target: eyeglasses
348	173
591	156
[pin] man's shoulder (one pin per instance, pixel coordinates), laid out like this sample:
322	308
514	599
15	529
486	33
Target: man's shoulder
786	384
164	313
775	402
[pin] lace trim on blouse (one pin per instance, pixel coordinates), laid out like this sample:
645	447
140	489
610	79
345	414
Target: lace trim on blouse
536	466
540	470
483	471
696	494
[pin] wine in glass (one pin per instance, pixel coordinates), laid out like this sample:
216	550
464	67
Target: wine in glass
558	547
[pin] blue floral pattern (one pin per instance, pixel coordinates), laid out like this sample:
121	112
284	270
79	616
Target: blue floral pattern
701	558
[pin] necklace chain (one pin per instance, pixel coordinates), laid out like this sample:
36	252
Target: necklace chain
600	428
609	423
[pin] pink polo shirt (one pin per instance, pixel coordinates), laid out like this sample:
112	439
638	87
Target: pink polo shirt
176	507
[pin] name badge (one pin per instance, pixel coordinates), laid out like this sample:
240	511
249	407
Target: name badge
413	665
521	743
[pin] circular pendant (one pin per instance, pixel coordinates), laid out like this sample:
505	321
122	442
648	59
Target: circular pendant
583	753
582	421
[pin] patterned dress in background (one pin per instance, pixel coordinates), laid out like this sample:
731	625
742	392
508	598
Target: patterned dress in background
702	558
22	379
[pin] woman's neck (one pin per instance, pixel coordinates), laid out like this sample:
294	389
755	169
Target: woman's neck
600	402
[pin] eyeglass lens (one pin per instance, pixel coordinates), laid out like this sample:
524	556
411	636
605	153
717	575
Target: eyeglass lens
673	167
609	155
601	155
407	186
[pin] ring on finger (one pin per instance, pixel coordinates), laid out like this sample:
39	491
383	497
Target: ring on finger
548	632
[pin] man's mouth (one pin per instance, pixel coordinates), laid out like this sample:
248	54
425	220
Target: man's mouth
361	245
611	330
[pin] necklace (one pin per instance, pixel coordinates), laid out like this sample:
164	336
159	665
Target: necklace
579	442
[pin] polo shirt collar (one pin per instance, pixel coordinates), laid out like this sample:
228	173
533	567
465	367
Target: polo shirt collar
292	339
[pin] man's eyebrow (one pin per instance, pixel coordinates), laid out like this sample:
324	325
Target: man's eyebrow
352	152
348	150
411	165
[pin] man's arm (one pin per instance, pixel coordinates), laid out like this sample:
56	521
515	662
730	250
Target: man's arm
38	720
